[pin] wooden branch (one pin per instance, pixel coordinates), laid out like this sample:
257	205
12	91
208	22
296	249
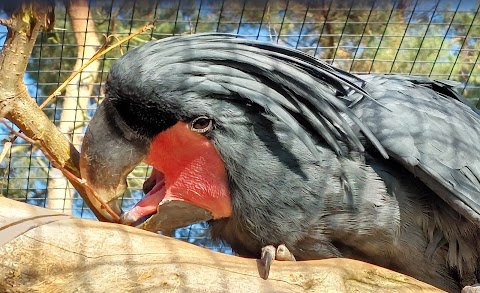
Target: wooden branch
25	24
43	251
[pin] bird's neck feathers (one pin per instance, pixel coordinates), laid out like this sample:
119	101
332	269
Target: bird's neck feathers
279	188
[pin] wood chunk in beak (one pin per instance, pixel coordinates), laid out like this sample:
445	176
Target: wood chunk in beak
172	214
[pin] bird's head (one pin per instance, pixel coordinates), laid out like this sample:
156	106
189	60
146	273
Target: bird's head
197	108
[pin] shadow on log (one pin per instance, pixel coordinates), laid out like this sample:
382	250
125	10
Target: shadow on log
43	251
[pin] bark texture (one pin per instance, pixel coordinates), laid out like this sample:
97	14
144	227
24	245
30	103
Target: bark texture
43	251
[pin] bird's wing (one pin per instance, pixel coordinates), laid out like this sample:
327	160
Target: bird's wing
422	123
432	131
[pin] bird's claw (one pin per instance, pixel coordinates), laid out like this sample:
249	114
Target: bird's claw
471	289
269	253
284	254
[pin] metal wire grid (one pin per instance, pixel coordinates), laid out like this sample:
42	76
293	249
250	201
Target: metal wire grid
432	38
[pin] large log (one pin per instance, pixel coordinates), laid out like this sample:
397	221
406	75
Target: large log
43	251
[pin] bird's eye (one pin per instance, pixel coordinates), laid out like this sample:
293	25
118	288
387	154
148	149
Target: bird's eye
201	124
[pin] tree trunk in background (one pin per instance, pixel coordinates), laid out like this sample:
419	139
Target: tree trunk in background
77	96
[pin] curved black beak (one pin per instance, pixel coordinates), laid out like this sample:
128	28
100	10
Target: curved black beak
110	151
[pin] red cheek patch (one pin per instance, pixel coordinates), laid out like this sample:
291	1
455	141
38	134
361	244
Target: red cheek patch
193	169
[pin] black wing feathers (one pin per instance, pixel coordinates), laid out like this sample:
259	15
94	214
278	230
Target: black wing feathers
422	123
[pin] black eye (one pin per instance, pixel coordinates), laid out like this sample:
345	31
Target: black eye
201	124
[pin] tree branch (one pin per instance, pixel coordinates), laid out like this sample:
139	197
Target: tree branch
29	19
57	253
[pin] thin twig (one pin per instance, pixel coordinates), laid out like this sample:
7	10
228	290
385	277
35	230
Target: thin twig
99	53
8	22
82	182
270	25
17	148
102	51
118	40
6	147
17	134
65	172
42	165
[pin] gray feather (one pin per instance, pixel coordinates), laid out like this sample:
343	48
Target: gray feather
383	169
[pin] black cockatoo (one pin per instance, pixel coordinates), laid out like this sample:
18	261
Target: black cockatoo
274	147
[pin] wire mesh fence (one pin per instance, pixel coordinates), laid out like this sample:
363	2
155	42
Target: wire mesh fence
431	38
